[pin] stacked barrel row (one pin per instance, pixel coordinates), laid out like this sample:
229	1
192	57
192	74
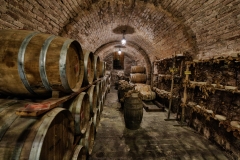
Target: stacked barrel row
50	136
105	85
62	133
91	106
33	65
108	81
138	74
53	135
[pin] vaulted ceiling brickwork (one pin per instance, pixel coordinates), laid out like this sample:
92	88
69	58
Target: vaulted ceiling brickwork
204	28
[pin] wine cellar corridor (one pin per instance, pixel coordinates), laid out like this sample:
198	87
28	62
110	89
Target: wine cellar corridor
156	139
120	79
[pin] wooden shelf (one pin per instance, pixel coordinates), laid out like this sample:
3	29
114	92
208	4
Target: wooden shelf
168	75
226	123
232	89
163	93
197	108
229	128
36	109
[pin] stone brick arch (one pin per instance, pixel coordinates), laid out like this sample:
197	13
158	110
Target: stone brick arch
154	30
131	49
161	27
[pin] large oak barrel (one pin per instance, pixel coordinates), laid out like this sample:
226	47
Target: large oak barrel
138	78
108	88
100	106
138	69
93	98
96	118
88	138
88	67
133	111
34	64
80	109
99	89
103	81
108	79
96	67
80	153
50	136
102	68
104	95
103	98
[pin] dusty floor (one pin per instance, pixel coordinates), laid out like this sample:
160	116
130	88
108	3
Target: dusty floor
155	139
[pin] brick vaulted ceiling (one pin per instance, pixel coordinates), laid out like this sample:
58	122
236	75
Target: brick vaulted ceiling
159	28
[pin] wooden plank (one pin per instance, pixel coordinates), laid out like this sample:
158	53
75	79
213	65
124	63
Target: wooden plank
36	109
151	107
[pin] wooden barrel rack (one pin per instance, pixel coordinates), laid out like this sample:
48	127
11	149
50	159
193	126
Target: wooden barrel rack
54	99
33	109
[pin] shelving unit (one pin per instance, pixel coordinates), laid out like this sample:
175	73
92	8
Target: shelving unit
232	89
205	92
213	99
167	80
210	115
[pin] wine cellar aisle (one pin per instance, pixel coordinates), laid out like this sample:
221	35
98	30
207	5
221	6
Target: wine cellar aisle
155	139
127	79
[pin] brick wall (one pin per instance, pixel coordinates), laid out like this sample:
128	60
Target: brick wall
128	62
215	24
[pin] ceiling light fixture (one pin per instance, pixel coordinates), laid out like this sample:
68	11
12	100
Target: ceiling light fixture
123	41
119	51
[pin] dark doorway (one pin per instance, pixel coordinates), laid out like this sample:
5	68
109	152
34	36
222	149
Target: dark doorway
118	60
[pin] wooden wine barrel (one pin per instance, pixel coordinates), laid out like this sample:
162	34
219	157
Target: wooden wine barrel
138	78
88	139
99	90
96	118
103	98
102	68
99	87
80	109
133	111
93	98
96	67
138	69
50	136
105	95
100	106
108	88
34	64
103	81
107	79
88	68
80	153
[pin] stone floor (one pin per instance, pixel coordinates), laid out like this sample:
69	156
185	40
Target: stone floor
155	139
